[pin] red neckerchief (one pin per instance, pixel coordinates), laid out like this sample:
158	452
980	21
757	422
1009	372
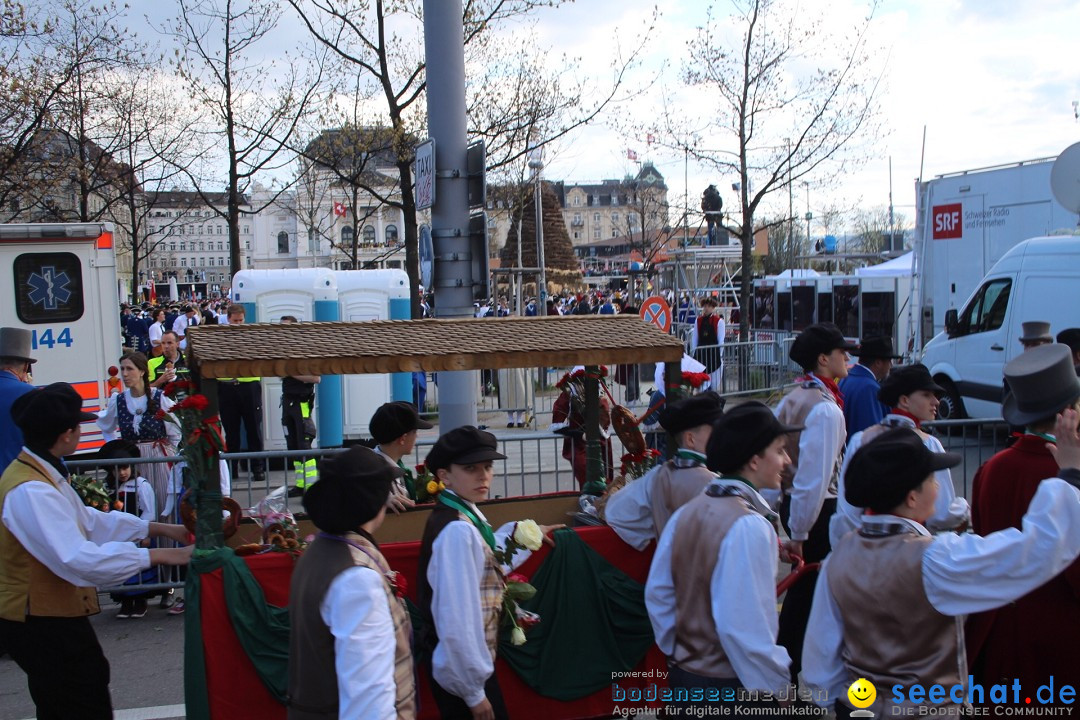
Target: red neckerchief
831	386
909	416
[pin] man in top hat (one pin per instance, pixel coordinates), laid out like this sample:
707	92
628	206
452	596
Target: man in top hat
640	510
860	388
890	603
350	634
1071	337
711	592
393	427
1035	333
461	583
912	397
54	554
1034	637
810	482
15	363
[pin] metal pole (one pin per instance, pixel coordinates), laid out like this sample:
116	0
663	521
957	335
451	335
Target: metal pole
444	46
791	208
537	164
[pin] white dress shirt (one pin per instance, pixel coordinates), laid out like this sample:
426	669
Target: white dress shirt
961	574
743	594
950	511
461	662
629	511
154	332
84	546
109	421
356	611
144	498
820	446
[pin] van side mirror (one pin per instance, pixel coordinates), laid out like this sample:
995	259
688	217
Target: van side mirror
951	321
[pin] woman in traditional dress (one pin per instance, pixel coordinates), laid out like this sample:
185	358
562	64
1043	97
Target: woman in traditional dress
132	415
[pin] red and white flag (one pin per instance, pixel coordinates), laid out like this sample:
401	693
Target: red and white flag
339	209
631	155
650	139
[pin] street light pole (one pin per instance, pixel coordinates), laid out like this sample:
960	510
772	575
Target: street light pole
536	163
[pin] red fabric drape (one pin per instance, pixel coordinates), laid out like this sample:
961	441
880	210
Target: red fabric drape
236	693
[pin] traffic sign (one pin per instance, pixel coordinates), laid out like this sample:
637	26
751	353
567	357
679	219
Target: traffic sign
425	175
655	310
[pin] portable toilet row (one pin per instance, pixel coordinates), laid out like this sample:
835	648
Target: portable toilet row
344	404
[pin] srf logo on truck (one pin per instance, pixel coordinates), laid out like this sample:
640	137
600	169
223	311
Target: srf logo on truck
947	221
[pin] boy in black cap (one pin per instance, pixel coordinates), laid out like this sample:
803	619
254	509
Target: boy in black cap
711	591
860	388
912	397
461	584
890	604
393	427
639	511
54	552
816	454
349	643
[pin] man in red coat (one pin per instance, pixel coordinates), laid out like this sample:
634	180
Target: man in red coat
1034	637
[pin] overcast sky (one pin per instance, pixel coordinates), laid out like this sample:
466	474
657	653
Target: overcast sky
992	81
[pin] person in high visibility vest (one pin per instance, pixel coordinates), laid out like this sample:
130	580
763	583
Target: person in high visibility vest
297	404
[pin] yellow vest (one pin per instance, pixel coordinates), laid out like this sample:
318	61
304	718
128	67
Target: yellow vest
27	587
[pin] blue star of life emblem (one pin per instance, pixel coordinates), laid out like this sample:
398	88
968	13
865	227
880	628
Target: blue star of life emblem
48	288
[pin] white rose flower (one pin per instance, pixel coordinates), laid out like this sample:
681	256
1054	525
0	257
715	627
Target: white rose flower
528	535
517	636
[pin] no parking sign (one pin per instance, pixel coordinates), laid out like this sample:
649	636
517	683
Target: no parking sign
655	310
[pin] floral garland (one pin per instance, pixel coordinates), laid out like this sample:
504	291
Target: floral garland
574	381
694	380
634	465
526	536
93	493
425	486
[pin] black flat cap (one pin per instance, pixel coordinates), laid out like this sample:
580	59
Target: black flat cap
873	348
394	419
817	339
743	432
884	470
49	410
703	409
351	489
905	380
463	446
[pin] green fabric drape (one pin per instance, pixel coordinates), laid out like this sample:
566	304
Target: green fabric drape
262	629
580	595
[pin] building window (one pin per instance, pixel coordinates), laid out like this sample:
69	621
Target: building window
283	242
596	217
369	235
172	247
614	218
183	246
596	233
614	232
312	243
183	262
246	229
247	244
181	229
172	262
577	235
391	234
220	245
577	200
347	236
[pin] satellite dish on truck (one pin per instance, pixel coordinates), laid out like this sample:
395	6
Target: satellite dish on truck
1065	178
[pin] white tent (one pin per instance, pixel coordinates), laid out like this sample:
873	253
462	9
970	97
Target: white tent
897	267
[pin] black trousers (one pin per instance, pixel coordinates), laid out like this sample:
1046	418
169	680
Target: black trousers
292	418
242	402
66	670
451	707
795	614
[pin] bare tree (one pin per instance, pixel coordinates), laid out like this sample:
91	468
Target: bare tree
795	100
251	108
514	101
873	227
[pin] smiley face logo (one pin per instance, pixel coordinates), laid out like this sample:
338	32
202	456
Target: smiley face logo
862	693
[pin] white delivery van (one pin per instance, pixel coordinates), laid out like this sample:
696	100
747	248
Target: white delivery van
1038	279
62	288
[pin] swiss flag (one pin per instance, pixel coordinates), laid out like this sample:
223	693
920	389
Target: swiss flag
339	209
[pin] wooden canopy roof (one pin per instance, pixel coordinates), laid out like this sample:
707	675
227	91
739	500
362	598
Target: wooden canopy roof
382	346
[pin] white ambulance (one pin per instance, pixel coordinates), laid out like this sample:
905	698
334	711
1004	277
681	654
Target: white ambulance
62	288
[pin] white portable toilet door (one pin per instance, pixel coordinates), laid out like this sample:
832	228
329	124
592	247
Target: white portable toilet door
363	394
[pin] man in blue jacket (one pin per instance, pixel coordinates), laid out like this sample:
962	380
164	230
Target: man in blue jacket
860	388
15	362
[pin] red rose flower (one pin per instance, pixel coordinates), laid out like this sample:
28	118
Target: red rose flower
421	469
517	577
195	402
399	583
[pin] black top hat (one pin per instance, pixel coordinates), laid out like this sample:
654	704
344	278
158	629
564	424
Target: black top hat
394	419
351	489
1042	382
905	380
743	432
49	410
883	471
817	339
15	343
873	348
703	409
118	449
463	446
1036	331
